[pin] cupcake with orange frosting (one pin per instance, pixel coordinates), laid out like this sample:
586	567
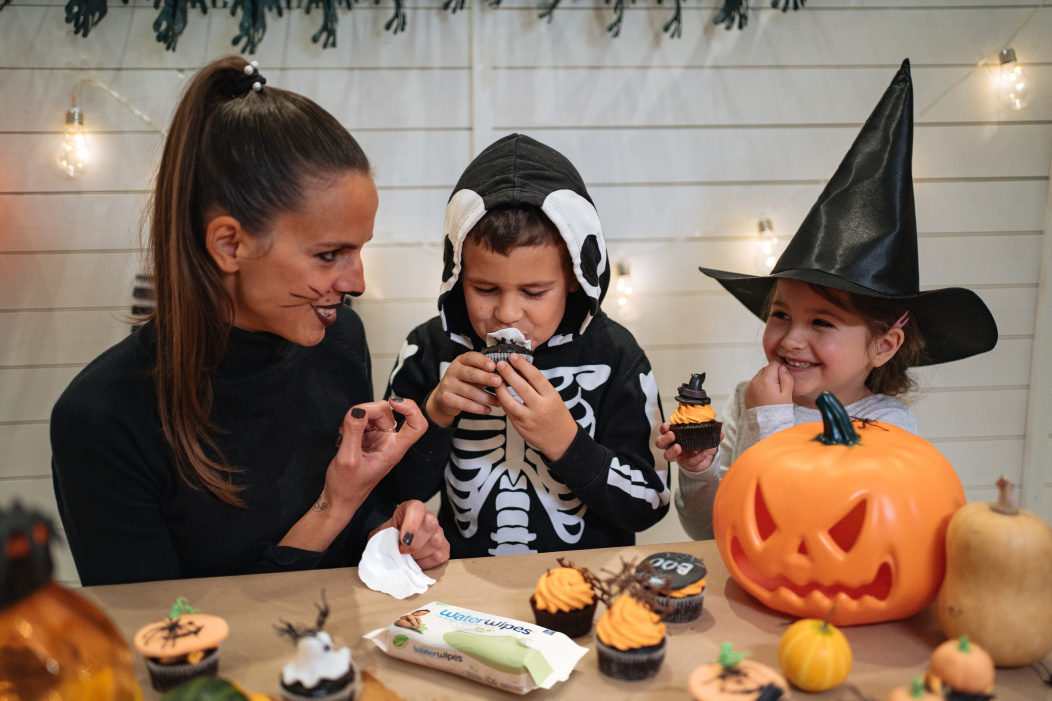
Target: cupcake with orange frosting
564	600
679	579
183	646
630	640
694	421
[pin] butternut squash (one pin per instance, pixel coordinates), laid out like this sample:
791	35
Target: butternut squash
998	584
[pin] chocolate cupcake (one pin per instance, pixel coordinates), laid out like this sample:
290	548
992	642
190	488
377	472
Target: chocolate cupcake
501	344
694	420
679	579
630	640
183	646
564	600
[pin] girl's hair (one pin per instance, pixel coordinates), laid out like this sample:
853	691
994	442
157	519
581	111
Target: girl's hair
501	230
253	156
893	377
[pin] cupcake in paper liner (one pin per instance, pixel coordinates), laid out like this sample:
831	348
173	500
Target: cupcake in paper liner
565	600
694	420
501	344
183	646
320	670
679	579
630	640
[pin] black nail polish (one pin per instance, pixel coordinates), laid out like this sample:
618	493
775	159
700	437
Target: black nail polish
396	398
357	413
407	539
339	439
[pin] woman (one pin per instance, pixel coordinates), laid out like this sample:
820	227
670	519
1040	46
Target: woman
206	443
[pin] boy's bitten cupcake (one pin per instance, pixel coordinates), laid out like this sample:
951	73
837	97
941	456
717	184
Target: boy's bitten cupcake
501	344
733	678
565	600
694	420
183	646
680	583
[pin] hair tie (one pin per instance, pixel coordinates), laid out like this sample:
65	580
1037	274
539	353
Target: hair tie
251	80
902	321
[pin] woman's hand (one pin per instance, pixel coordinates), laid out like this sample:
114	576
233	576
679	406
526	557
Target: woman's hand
370	445
772	385
419	534
541	418
462	388
689	460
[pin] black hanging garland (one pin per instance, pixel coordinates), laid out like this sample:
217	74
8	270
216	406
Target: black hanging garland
84	15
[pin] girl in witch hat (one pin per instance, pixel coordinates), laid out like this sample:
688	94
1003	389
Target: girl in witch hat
843	310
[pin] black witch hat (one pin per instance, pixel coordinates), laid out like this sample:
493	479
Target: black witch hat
861	236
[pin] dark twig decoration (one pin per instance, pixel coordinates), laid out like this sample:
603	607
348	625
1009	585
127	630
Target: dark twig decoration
730	10
295	632
171	22
84	14
638	582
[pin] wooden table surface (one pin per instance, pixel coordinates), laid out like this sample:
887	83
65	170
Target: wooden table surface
885	655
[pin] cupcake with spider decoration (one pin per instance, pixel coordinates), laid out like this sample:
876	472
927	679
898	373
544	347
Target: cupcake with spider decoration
183	646
630	637
319	670
734	678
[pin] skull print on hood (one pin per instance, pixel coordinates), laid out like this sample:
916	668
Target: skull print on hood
501	495
513	172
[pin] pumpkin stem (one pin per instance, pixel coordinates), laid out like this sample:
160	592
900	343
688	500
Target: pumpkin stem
180	607
963	646
836	424
829	617
1005	503
917	688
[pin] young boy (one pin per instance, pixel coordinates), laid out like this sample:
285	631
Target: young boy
540	457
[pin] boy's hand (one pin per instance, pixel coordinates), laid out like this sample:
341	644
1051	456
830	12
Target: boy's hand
689	460
772	385
541	418
462	389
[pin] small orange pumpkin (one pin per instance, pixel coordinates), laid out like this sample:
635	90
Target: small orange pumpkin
818	515
814	655
963	666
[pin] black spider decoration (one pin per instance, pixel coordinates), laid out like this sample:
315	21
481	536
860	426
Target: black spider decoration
253	23
674	27
452	6
172	629
797	4
330	19
4	3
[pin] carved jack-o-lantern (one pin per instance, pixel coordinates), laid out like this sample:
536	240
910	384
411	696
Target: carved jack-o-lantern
852	518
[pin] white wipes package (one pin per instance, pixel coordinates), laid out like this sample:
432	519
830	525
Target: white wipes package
383	568
502	652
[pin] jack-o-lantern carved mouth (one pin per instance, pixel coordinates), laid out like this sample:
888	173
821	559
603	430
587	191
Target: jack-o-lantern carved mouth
879	588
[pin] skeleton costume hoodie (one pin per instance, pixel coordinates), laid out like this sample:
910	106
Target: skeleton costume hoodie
499	495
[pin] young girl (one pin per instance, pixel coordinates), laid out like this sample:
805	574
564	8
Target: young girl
842	309
206	443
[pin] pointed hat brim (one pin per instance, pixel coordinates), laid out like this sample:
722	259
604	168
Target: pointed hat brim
954	321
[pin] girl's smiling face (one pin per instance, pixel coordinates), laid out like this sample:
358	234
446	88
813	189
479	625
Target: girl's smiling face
825	347
525	289
291	281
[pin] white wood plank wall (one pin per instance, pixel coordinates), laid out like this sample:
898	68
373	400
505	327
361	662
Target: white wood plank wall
684	143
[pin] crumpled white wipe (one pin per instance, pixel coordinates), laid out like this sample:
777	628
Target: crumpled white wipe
386	570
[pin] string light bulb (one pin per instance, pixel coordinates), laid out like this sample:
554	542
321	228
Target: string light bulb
768	247
1013	86
626	310
74	154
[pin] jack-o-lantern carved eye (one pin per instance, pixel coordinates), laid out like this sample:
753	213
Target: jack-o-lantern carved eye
765	524
846	531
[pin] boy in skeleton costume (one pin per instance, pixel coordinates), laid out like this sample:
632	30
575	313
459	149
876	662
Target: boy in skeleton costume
555	455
